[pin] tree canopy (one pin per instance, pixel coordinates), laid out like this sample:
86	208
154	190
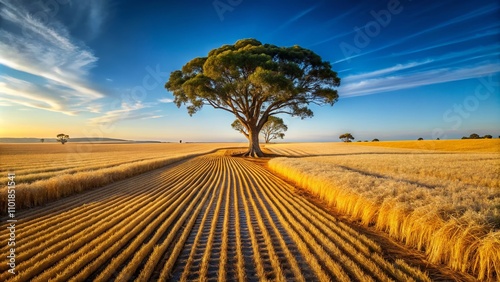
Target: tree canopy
476	136
274	128
254	81
346	137
63	138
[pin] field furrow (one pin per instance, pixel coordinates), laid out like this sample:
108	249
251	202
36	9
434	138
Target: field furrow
210	218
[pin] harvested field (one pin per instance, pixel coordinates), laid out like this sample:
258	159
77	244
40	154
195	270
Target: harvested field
467	145
444	203
211	218
47	172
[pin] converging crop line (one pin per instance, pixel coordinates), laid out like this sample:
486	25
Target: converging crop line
213	217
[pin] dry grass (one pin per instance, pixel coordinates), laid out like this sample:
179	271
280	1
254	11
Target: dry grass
47	172
178	224
447	204
468	145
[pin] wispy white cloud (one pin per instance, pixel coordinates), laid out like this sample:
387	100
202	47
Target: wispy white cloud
475	35
127	111
393	69
21	92
475	14
166	100
45	51
297	17
96	15
383	84
153	117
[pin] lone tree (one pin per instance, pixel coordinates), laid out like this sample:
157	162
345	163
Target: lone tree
42	140
273	129
63	138
255	81
347	137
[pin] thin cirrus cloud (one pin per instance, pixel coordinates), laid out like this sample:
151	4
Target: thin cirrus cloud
21	92
466	64
166	100
475	14
297	17
393	69
383	84
127	111
43	50
474	35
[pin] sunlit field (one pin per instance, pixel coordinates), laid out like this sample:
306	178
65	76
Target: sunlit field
46	172
189	212
446	203
213	216
468	145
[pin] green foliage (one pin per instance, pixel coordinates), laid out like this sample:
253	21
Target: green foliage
420	139
375	140
476	136
254	81
238	126
274	128
63	138
347	137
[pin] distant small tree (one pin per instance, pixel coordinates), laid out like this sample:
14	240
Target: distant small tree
347	137
465	137
420	139
438	138
63	138
375	140
274	128
474	136
487	136
42	140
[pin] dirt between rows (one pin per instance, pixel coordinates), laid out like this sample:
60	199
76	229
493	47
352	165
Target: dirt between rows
392	249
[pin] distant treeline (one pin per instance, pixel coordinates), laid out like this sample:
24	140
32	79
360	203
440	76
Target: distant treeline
476	136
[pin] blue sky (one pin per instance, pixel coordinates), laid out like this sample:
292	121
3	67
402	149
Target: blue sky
96	68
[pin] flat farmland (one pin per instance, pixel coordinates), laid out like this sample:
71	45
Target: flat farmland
47	172
441	197
191	212
210	218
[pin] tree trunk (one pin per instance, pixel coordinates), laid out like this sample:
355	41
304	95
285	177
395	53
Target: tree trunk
253	145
